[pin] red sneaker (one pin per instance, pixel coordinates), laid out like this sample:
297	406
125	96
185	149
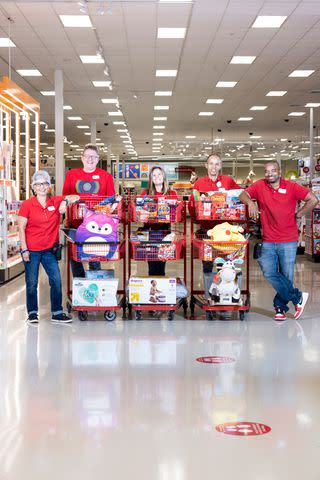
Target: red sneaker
279	314
300	306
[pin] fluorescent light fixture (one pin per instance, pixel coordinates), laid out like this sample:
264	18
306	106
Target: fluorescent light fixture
163	93
67	107
29	73
206	114
157	133
91	59
217	101
244	119
122	130
161	107
268	21
171	32
101	83
312	105
115	114
49	130
83	126
301	73
74	118
223	84
82	21
166	73
88	133
119	123
125	136
158	140
296	114
259	107
6	42
190	136
43	144
158	119
159	127
276	93
48	93
240	59
255	136
110	100
283	139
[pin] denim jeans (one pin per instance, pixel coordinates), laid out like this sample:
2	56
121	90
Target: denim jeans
277	262
51	267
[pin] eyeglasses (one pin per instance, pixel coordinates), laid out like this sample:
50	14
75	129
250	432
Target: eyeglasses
45	184
91	157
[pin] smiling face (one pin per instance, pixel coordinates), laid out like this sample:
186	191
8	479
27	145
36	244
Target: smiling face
157	177
90	159
213	166
272	174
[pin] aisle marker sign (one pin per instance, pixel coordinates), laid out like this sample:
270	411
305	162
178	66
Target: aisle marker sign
216	360
244	429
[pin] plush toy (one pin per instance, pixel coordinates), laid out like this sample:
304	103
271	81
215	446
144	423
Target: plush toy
98	228
225	288
225	232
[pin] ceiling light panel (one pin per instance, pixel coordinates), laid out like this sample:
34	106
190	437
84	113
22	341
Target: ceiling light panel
276	93
91	59
268	21
83	126
161	107
160	119
115	114
259	107
80	21
163	93
223	84
67	107
238	60
206	114
110	100
244	119
171	32
296	114
74	118
301	73
312	105
216	101
101	83
166	73
29	72
48	93
6	42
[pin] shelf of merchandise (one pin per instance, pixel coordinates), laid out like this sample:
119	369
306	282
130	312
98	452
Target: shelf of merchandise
312	226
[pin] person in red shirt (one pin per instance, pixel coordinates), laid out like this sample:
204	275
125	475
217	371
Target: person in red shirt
86	181
276	202
158	187
39	222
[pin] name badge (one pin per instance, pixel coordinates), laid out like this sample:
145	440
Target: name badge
51	208
222	189
95	177
219	184
282	190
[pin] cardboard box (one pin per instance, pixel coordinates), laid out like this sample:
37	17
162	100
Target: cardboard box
152	290
94	293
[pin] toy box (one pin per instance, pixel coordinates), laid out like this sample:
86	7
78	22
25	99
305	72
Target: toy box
94	293
152	290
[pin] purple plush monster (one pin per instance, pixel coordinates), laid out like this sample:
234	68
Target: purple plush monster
98	228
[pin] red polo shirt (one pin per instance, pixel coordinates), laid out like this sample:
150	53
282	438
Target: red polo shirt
277	209
80	182
42	230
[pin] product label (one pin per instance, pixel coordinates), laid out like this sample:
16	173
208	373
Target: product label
51	208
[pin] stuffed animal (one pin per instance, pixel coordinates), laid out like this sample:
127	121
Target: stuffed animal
98	229
225	288
225	232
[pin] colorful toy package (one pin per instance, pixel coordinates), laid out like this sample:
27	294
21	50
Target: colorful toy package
94	293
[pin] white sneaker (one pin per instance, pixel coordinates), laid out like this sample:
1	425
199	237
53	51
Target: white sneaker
300	306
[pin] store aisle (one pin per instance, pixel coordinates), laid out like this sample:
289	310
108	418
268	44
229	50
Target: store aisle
130	400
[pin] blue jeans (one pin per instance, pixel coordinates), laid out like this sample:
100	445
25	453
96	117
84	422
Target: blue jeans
51	267
277	262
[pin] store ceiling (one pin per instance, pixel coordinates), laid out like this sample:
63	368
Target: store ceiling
126	33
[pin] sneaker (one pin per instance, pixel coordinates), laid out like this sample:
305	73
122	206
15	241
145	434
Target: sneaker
33	318
61	318
279	314
300	306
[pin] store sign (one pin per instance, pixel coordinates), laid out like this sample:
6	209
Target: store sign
243	429
184	169
305	169
216	359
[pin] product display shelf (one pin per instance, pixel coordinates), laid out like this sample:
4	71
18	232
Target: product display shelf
312	226
157	233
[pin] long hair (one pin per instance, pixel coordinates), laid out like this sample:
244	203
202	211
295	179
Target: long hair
165	185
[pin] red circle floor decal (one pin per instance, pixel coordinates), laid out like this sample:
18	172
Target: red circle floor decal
244	429
216	359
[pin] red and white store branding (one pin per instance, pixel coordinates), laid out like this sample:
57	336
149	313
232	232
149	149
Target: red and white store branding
216	359
243	429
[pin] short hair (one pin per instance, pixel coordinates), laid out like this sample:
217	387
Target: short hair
40	174
151	188
91	146
273	162
214	155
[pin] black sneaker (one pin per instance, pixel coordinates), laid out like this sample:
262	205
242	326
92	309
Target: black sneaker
279	314
33	318
61	318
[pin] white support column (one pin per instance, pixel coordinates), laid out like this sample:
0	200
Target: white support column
93	131
116	186
311	145
59	145
109	162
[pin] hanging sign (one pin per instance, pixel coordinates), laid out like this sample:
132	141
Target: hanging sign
216	359
243	429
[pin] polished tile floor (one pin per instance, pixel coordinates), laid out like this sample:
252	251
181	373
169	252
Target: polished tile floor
99	400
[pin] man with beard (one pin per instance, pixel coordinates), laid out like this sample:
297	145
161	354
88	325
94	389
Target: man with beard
276	202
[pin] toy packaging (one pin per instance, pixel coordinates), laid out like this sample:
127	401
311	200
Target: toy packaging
94	293
219	205
152	290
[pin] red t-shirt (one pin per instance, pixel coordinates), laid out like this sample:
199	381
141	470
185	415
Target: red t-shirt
80	182
277	209
205	184
42	230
